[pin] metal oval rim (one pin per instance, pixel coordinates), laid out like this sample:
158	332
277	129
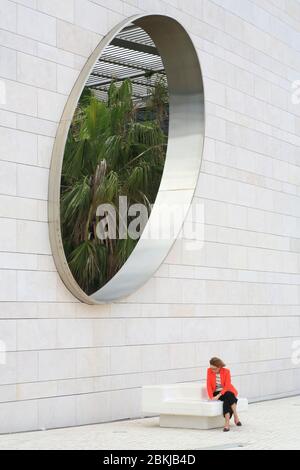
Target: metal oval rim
178	184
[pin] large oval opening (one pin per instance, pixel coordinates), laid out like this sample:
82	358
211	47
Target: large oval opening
126	159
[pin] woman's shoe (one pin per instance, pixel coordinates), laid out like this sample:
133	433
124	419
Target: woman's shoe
238	423
226	429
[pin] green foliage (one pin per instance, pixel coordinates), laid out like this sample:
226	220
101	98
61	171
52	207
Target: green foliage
109	153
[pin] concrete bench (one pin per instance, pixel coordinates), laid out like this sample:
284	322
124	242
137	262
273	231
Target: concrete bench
185	405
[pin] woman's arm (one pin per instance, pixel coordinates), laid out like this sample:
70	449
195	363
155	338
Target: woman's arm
208	386
227	382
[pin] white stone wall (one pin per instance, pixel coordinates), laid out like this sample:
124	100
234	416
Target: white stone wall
72	364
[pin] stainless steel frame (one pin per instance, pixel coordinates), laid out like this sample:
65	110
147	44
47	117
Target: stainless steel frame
183	160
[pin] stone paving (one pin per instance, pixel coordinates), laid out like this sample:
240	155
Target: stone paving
270	425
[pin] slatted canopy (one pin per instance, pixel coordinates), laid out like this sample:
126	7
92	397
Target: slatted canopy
131	54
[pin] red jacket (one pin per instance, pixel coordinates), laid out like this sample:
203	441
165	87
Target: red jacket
225	382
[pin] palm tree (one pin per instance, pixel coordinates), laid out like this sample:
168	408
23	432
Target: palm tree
109	153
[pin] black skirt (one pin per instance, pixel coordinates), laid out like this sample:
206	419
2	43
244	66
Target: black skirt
228	399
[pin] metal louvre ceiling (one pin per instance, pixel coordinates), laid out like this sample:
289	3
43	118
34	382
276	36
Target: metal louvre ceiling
131	54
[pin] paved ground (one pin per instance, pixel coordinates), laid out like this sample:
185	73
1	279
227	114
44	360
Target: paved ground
268	425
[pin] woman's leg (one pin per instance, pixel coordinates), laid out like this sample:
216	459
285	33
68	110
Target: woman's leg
232	405
227	411
229	408
227	421
236	417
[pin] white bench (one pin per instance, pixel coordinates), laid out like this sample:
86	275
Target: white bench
185	405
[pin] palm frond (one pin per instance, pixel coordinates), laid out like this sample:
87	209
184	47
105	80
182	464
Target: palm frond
75	202
87	263
110	152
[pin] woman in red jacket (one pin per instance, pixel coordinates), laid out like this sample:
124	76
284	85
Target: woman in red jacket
219	387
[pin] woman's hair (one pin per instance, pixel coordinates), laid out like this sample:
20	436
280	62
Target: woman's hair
216	362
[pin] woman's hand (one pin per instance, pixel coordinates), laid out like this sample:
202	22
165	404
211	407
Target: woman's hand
216	397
